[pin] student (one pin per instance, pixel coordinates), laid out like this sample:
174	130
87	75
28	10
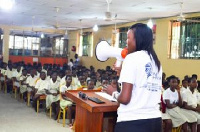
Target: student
8	77
172	99
31	82
75	80
184	86
40	87
190	104
82	83
52	92
66	102
165	117
90	84
23	85
67	72
16	76
49	72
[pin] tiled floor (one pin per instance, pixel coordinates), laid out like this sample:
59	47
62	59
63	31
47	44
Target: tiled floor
16	116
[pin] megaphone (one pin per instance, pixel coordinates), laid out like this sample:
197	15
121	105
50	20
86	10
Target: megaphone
104	51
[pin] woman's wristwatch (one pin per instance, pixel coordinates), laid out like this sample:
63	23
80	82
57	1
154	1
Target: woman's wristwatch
115	95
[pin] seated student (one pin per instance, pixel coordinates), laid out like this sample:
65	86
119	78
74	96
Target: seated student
104	82
82	83
40	87
23	85
16	76
64	101
190	104
173	101
49	72
165	117
3	70
67	72
52	92
31	82
90	85
114	83
8	77
98	82
75	80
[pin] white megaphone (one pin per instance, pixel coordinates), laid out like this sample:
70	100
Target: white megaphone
104	51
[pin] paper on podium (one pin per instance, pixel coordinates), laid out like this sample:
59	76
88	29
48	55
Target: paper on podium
106	96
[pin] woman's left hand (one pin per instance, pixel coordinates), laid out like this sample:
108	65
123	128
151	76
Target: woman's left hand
109	89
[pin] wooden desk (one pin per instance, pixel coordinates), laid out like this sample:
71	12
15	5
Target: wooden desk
89	115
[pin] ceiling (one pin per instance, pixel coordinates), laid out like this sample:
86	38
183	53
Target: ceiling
66	14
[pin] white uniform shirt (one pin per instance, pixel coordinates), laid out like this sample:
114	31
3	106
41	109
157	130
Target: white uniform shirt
64	88
9	73
139	70
53	87
190	98
41	84
31	80
171	96
17	74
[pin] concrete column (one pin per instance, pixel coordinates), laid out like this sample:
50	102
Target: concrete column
6	36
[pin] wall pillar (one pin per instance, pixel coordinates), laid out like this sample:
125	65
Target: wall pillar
5	52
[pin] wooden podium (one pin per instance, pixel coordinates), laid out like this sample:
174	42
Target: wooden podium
89	115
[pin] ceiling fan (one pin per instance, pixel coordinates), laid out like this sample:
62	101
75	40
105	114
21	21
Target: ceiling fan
108	13
182	18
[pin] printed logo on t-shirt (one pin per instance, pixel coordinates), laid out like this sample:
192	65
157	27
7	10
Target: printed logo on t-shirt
148	69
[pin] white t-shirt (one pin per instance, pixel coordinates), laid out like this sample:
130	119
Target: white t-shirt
70	64
139	70
170	95
190	98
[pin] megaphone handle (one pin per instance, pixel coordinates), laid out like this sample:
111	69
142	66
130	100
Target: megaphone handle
118	63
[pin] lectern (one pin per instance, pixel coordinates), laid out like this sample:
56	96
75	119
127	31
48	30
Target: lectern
89	115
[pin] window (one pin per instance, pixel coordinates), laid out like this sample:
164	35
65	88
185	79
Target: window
123	37
86	43
59	46
185	39
24	45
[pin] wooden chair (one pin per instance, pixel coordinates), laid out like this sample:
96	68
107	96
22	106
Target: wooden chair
14	89
42	97
28	98
64	113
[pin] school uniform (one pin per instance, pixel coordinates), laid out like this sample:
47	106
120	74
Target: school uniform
9	73
63	81
3	71
41	85
23	88
176	114
192	100
75	81
48	78
53	87
31	81
17	75
98	84
64	103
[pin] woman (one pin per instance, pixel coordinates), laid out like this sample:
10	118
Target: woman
141	81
